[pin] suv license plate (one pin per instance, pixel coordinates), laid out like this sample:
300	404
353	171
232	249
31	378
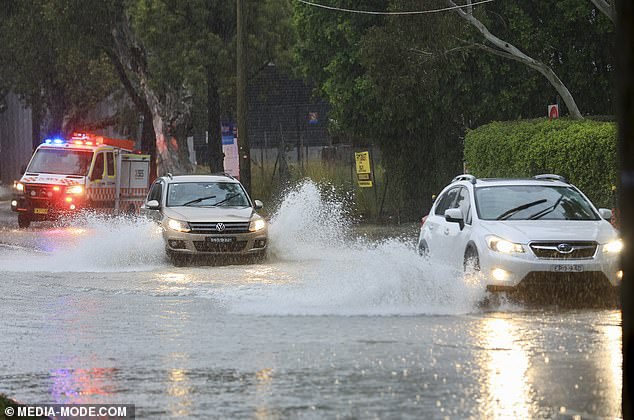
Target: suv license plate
219	240
40	211
567	268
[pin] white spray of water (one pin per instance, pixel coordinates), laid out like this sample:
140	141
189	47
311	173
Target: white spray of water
335	274
92	243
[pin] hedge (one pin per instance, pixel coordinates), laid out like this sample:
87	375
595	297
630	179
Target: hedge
582	151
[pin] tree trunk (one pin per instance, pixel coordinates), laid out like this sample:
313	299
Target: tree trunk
214	129
607	8
170	114
507	50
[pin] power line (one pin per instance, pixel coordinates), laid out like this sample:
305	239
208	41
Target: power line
413	12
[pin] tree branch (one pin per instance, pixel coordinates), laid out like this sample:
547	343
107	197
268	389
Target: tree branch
607	8
508	50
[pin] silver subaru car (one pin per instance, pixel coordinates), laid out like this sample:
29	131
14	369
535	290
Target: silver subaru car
206	215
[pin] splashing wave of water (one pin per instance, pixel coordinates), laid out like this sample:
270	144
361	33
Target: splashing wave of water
338	274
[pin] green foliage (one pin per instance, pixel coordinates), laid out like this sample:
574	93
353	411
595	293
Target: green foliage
47	64
582	151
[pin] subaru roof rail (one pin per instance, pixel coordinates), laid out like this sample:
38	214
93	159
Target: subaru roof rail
227	174
551	177
465	177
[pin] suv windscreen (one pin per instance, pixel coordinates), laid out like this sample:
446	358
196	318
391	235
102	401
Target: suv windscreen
532	202
61	161
206	194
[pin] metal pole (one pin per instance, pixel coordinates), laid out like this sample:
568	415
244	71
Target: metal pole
242	105
625	100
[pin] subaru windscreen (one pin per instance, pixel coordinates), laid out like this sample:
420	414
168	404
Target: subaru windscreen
61	162
206	194
532	202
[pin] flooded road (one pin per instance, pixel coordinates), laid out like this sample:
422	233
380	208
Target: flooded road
332	325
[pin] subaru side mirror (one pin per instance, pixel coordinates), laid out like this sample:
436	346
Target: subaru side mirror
455	216
605	214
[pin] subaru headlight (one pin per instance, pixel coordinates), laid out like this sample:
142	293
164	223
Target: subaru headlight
178	225
614	247
505	247
256	225
75	189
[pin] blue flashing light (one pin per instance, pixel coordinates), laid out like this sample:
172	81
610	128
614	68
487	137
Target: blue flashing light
58	141
48	141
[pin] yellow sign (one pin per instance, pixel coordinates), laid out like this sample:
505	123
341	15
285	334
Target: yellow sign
364	169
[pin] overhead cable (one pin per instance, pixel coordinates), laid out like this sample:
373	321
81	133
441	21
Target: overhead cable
412	12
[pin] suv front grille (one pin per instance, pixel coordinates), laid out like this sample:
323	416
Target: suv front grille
564	250
207	246
211	228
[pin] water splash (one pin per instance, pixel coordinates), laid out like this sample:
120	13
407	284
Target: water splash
90	243
335	273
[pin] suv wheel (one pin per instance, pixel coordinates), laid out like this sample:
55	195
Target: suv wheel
24	221
423	249
178	259
471	261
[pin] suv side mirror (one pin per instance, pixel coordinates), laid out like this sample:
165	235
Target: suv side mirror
153	205
257	204
605	214
455	216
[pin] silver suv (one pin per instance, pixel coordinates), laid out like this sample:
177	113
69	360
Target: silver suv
206	215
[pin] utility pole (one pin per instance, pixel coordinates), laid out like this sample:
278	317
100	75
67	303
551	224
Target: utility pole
242	106
625	100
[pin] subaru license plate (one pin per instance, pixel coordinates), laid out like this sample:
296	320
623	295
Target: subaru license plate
223	240
567	268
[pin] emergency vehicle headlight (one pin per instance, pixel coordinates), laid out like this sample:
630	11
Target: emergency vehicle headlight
178	226
75	189
19	187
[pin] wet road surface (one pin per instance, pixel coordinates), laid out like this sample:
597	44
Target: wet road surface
332	325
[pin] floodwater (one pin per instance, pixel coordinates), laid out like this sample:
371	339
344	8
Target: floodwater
332	325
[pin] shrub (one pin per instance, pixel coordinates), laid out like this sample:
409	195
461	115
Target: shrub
582	151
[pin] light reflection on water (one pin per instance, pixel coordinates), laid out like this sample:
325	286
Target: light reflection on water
612	334
505	388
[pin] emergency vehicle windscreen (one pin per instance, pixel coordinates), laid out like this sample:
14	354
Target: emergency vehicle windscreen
61	161
206	194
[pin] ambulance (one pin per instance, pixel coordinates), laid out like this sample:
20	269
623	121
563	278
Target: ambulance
83	172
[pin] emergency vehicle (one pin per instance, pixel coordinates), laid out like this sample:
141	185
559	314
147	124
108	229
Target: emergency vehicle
85	171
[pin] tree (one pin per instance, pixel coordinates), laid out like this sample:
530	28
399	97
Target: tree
507	50
59	77
607	7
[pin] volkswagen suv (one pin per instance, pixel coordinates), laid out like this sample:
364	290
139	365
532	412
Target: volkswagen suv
524	233
209	215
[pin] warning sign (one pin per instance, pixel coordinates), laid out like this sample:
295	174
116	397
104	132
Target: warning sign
364	169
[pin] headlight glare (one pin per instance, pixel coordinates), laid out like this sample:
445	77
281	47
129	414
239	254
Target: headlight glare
505	247
19	187
257	224
75	189
614	247
178	226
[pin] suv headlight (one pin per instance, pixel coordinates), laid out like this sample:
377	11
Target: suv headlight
498	244
178	226
257	224
19	187
614	247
